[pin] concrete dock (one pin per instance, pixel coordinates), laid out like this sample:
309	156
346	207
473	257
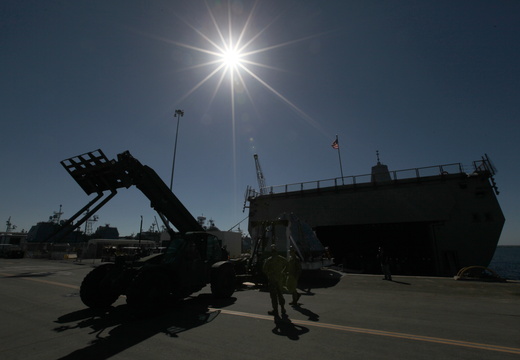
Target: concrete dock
341	316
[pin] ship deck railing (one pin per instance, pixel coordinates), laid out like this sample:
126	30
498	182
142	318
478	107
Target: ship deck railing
395	175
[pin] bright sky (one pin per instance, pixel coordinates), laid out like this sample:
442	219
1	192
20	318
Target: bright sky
423	82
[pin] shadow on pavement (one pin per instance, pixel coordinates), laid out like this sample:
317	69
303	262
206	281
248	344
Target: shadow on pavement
118	329
285	327
312	316
30	274
400	282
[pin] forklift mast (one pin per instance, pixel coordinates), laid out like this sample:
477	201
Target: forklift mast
94	173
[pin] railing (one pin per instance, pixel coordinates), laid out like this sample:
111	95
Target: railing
414	173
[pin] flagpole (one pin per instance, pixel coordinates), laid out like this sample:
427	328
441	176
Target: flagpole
340	165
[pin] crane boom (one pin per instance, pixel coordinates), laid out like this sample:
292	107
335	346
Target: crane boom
260	176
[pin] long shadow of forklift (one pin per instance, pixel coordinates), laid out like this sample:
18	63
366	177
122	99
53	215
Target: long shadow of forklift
119	329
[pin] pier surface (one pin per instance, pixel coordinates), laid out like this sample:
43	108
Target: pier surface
341	316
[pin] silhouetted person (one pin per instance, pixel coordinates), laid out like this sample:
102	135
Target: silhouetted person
79	254
274	268
385	263
294	269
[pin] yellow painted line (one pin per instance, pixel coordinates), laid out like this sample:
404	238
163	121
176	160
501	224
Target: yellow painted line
467	344
430	339
41	281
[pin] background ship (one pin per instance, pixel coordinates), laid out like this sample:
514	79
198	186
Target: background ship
432	221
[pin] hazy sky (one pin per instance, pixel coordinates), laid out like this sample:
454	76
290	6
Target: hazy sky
423	82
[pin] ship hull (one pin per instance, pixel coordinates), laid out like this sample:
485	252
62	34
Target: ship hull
432	225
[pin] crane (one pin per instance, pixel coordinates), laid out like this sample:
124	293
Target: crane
260	176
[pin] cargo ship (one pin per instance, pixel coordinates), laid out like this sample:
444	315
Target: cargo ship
431	221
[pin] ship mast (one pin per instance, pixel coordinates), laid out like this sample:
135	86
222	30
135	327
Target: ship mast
88	224
9	225
55	218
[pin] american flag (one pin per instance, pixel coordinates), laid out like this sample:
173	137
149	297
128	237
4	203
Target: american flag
335	144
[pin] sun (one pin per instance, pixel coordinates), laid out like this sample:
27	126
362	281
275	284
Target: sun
231	58
232	51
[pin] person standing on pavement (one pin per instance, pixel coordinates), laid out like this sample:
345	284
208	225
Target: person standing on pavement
275	269
294	269
385	263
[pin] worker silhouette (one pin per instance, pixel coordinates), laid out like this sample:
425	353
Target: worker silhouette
385	263
275	269
294	269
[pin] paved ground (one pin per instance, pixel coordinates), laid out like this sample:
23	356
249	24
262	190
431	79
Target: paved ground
341	317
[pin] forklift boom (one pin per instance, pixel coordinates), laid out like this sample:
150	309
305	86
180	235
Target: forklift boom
94	173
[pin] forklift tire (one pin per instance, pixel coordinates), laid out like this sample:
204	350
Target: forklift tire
96	289
223	281
149	291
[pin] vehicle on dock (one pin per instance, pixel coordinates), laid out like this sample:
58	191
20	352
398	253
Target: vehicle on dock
11	251
11	242
191	261
285	232
193	258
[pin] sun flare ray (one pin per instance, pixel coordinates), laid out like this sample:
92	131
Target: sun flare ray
235	58
299	111
233	55
202	82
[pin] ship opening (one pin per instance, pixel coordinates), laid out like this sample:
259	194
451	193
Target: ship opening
409	246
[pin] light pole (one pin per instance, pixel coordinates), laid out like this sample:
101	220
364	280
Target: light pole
178	114
140	231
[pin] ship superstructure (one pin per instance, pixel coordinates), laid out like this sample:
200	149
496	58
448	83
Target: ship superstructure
432	221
